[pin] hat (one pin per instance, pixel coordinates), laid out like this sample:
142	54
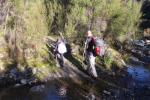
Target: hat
89	33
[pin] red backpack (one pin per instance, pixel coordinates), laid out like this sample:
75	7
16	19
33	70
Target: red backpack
97	51
99	47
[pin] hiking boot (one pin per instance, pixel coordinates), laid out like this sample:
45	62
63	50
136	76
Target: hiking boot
92	73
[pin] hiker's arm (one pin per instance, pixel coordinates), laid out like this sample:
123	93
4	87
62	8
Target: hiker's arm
55	46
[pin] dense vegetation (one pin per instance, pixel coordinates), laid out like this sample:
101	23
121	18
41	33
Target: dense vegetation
26	23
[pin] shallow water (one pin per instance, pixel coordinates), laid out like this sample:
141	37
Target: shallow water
62	89
140	74
84	89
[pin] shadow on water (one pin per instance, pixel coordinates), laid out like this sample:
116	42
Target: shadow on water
16	74
82	89
61	89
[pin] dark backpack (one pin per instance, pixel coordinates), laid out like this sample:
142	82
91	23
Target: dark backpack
100	47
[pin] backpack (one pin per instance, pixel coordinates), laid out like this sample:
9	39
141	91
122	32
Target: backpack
61	47
100	47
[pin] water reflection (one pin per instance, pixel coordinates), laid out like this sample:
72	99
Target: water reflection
139	73
56	93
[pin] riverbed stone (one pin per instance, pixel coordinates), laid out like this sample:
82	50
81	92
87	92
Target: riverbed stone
91	97
34	71
23	81
39	88
17	85
107	92
147	42
13	73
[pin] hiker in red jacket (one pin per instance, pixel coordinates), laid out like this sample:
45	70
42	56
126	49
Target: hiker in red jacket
90	53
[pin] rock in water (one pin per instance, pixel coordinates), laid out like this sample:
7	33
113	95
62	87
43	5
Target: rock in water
34	70
13	73
23	81
107	92
62	91
39	88
17	85
91	97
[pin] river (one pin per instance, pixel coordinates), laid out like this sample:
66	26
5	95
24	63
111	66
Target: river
138	88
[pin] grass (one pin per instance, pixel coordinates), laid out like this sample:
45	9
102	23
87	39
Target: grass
43	67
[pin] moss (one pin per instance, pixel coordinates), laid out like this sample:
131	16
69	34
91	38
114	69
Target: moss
79	57
44	67
108	60
45	70
126	57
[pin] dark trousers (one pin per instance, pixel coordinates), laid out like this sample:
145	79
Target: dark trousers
60	59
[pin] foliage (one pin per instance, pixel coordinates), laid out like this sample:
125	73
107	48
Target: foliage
29	21
108	60
124	18
26	25
42	17
70	16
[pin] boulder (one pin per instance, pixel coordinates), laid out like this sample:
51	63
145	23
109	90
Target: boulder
91	97
17	85
117	57
34	71
39	88
13	73
107	92
147	42
23	81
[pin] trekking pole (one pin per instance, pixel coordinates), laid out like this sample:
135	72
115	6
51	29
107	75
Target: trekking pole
62	37
84	53
60	33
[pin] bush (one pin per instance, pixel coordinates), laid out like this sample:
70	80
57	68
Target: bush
26	27
124	17
31	20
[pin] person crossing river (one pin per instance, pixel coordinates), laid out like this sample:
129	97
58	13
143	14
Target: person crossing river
94	46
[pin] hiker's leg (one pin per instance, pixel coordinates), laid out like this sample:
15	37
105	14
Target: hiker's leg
86	59
92	65
57	57
62	60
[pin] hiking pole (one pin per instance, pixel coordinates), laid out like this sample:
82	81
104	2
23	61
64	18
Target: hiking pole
84	54
60	33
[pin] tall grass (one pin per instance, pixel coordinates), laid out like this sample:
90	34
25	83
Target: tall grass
26	29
